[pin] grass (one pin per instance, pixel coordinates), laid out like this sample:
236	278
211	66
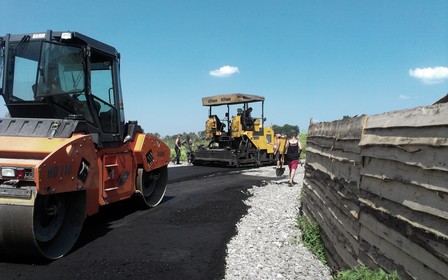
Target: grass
365	273
312	240
311	237
302	139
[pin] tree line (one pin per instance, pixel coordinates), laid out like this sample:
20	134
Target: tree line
198	139
286	129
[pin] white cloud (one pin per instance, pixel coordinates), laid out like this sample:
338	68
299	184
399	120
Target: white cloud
434	75
225	71
404	97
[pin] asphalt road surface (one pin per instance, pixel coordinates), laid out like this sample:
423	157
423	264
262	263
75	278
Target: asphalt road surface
184	237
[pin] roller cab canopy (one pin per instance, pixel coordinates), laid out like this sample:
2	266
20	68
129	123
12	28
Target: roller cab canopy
232	98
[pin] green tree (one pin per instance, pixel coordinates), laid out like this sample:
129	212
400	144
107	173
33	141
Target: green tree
286	129
155	134
201	134
194	140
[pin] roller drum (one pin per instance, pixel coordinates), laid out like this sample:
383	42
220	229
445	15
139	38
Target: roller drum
43	226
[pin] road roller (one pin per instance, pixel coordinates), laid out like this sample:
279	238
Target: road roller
65	147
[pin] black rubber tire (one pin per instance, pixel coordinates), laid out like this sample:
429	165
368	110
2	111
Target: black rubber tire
58	220
152	185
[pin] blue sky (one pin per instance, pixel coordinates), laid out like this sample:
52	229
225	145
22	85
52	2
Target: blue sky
309	59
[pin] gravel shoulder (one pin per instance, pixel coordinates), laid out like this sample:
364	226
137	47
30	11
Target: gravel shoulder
268	243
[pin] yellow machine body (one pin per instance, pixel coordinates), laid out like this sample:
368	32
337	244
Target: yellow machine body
236	139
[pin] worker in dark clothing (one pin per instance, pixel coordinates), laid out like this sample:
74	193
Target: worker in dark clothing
177	147
248	121
291	155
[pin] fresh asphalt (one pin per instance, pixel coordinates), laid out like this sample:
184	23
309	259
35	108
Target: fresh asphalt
184	237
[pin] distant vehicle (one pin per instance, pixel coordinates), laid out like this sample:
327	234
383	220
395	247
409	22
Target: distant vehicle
238	139
66	150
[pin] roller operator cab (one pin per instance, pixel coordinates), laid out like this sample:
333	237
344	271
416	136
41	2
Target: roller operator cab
65	148
236	132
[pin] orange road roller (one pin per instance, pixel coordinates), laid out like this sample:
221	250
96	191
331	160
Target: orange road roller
65	147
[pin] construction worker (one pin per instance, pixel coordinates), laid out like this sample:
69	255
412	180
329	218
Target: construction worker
177	147
291	156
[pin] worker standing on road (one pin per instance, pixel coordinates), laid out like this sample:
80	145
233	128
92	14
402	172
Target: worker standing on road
291	155
177	146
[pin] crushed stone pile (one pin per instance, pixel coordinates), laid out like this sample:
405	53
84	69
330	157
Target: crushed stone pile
268	242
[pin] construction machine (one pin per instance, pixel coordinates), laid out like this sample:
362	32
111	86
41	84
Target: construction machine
66	148
237	139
